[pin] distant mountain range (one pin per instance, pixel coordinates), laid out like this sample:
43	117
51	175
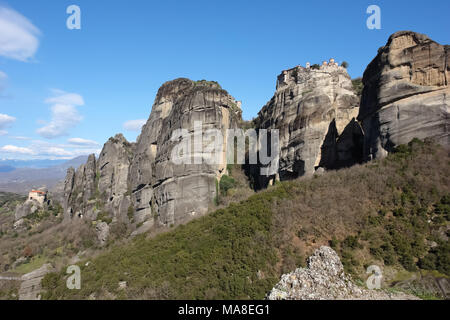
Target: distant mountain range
41	163
6	168
20	176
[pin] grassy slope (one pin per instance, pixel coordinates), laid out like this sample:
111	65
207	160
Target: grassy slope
375	213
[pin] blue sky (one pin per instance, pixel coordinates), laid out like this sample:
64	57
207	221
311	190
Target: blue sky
65	92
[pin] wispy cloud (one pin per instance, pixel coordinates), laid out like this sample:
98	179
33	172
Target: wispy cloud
20	138
64	114
16	150
5	122
18	36
45	148
134	125
82	142
39	149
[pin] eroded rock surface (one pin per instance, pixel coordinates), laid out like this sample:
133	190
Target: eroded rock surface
138	182
312	108
406	94
30	288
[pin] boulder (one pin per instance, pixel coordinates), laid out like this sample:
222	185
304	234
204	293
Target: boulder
324	279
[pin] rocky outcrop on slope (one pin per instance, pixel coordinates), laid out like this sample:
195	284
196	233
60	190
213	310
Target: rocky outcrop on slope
31	206
25	209
406	94
139	182
30	288
312	108
324	279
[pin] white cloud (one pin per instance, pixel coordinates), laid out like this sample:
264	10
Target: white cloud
66	151
5	122
64	114
18	36
15	149
39	149
134	125
55	151
64	98
82	142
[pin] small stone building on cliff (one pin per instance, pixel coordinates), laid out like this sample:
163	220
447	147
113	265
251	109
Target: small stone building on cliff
39	195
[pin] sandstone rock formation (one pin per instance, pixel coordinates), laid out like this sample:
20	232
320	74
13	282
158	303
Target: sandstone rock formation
100	186
314	110
325	279
139	182
32	204
406	94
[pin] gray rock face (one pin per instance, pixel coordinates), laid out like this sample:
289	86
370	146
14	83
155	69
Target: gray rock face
30	289
102	230
27	208
141	178
325	279
312	108
113	166
186	190
406	94
141	171
79	188
100	186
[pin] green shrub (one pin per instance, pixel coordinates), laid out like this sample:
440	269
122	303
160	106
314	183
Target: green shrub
351	242
103	216
226	183
358	86
130	213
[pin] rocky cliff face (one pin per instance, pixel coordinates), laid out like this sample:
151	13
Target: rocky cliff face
190	188
406	94
100	186
314	110
139	182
